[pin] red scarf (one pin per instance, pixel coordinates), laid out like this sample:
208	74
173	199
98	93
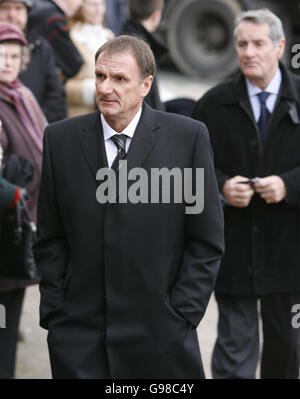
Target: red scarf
27	107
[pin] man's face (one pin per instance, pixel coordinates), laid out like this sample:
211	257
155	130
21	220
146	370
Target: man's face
14	12
10	69
119	88
257	54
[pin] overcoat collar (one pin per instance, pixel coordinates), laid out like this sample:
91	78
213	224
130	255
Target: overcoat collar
238	92
287	102
92	142
144	139
93	146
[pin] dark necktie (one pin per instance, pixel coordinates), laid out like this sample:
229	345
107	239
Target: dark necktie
120	142
264	114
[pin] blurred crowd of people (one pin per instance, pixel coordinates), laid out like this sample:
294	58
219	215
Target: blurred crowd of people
48	74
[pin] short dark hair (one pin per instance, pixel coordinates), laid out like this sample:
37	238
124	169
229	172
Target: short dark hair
142	9
139	49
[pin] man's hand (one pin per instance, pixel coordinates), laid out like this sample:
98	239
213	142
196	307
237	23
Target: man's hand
272	189
237	192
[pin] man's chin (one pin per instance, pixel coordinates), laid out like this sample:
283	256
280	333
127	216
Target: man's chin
251	74
107	110
250	70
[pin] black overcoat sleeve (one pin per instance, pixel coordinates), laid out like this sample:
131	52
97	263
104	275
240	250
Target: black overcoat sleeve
204	246
51	249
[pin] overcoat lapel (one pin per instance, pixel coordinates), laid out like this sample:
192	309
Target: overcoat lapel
239	95
286	103
144	139
281	109
92	143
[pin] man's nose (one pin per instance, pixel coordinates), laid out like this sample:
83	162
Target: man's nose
105	87
249	50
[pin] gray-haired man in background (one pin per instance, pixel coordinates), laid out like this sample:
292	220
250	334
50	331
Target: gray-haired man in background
254	124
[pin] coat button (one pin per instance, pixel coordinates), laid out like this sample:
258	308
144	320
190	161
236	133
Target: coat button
255	229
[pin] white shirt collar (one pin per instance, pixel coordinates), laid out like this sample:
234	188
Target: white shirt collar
129	130
273	87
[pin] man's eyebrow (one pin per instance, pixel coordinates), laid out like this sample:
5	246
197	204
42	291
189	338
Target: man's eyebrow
112	73
119	73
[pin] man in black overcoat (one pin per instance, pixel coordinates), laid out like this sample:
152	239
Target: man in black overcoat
125	283
254	124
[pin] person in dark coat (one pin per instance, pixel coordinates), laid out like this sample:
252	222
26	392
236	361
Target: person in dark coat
144	18
116	14
257	138
40	75
48	18
42	78
125	284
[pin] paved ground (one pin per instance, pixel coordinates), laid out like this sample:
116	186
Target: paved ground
32	357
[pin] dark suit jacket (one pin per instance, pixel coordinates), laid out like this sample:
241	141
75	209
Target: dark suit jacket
42	78
141	274
261	240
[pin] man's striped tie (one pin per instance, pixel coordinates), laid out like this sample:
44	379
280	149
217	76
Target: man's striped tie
120	142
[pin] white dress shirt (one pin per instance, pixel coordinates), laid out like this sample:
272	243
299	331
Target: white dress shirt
108	132
273	88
